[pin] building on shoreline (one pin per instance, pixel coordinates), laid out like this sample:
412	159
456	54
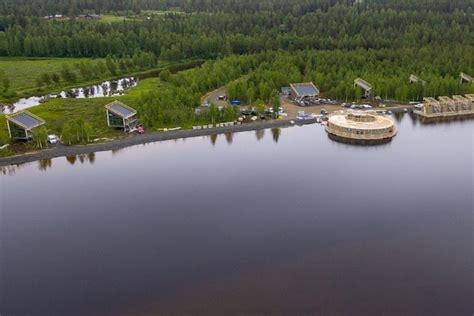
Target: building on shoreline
416	79
360	127
465	77
21	124
120	115
456	107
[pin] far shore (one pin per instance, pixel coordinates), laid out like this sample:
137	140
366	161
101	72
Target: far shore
136	139
149	137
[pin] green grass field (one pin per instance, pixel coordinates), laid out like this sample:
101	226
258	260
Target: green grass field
23	72
57	111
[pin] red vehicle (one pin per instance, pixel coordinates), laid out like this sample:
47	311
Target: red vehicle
140	129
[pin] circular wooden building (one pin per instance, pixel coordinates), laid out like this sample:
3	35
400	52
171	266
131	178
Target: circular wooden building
360	127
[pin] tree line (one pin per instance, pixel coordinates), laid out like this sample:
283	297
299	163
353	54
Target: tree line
296	7
88	70
257	79
388	70
220	33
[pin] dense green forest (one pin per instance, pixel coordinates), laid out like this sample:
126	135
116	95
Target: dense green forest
321	25
295	7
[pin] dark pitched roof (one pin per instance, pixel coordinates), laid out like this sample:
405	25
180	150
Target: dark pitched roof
121	109
25	119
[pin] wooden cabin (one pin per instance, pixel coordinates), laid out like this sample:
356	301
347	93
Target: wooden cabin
431	105
21	124
120	115
365	86
447	104
462	103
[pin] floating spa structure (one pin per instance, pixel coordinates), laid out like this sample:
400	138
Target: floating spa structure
360	127
445	108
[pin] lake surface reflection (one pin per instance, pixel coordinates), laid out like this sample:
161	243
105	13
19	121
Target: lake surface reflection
280	221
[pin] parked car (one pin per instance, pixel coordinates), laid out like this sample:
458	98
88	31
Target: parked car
53	139
222	97
323	112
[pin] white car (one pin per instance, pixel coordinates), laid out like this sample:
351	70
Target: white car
53	139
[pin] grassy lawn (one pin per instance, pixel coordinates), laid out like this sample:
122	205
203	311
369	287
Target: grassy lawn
57	111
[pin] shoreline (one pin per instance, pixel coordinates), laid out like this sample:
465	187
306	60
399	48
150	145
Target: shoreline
136	139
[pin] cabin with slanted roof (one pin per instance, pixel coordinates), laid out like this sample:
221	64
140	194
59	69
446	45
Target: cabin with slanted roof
447	104
416	79
462	103
470	98
365	86
21	124
465	77
303	90
431	105
120	115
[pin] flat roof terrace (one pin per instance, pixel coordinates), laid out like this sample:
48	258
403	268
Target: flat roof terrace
361	120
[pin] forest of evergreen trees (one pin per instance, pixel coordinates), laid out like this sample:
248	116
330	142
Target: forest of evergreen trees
294	7
293	25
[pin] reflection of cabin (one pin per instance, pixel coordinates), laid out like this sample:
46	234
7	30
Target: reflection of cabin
465	77
447	104
21	124
120	115
431	105
415	79
462	103
303	90
364	85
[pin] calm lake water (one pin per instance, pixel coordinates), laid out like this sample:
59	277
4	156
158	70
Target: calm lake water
274	222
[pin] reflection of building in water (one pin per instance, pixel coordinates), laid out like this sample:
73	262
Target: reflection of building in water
360	127
456	107
9	170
